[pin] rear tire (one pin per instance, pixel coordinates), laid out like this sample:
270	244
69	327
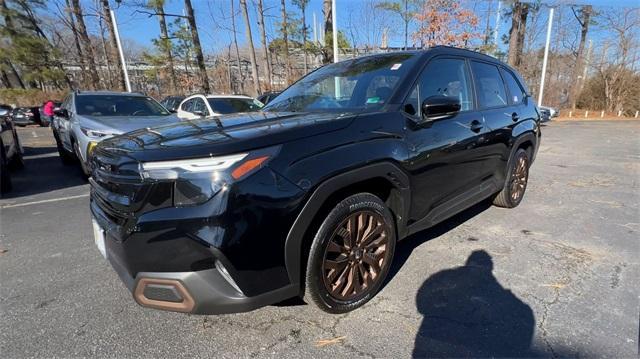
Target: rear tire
85	169
516	183
350	255
17	161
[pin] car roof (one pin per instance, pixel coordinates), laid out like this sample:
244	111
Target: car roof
109	93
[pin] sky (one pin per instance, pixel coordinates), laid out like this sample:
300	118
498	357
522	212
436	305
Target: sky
213	19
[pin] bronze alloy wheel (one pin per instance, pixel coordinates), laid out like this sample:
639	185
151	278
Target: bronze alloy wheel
519	178
355	256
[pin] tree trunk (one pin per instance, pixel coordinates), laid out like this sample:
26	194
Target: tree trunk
84	37
252	53
166	46
286	43
516	33
405	18
113	53
327	53
106	55
304	39
579	68
197	47
235	43
263	39
5	79
76	42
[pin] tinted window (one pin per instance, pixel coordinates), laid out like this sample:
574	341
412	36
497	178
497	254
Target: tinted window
187	106
233	105
442	77
516	93
489	85
198	105
105	105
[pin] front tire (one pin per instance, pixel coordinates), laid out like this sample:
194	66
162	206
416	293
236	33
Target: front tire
350	255
516	184
5	176
83	166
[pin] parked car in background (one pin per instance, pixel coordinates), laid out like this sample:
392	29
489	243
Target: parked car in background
23	116
547	113
309	196
10	148
198	106
171	103
86	118
266	97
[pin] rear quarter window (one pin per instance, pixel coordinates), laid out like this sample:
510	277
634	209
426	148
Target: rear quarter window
489	85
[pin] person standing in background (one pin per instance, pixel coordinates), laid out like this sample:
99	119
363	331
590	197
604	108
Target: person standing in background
48	113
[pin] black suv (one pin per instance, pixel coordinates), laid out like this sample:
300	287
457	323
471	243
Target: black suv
309	196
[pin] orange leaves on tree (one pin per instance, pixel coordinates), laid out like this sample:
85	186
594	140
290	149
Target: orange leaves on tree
445	22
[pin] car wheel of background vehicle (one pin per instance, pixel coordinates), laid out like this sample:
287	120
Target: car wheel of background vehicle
351	254
85	169
5	177
516	183
66	157
17	161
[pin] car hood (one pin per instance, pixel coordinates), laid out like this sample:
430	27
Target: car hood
223	135
124	124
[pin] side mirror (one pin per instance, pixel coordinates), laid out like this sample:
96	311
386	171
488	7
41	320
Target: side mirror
62	113
199	113
438	107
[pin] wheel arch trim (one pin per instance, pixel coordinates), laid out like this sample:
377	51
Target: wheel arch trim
387	170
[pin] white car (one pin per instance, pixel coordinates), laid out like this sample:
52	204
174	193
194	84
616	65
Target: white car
198	106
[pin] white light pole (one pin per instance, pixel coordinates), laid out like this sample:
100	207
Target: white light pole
334	29
122	61
546	56
497	29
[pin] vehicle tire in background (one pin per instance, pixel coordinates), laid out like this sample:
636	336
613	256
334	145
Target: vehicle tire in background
66	157
516	182
5	177
351	254
17	161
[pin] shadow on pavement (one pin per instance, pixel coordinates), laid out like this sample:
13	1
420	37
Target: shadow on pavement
43	172
467	313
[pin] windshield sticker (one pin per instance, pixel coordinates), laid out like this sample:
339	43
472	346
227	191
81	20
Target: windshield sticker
395	67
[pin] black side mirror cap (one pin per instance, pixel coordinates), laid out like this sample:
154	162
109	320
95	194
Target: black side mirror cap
199	113
61	112
438	107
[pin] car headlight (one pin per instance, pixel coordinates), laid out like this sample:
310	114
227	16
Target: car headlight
197	180
94	133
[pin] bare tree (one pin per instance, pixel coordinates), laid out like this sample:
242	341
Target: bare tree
252	54
197	48
327	12
165	42
285	37
583	18
263	39
519	12
88	48
302	5
235	43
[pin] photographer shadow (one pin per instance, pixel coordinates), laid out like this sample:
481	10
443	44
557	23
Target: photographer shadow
467	313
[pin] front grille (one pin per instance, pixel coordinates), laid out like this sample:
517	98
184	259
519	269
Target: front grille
119	189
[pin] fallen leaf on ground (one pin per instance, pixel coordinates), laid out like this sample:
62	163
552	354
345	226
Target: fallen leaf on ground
323	342
554	285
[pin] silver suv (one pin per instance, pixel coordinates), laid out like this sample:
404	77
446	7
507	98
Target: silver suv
88	117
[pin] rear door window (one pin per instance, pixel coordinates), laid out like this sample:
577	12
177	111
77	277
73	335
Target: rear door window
187	105
489	85
516	93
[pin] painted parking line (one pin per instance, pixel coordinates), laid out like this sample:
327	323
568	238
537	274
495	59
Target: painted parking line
44	201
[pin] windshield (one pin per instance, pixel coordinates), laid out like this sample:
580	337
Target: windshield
356	85
104	105
233	105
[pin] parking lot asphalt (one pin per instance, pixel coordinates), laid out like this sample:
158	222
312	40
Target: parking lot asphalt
557	276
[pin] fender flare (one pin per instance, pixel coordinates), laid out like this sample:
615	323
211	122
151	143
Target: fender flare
295	239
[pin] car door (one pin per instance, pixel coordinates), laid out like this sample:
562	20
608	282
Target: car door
446	155
64	124
500	112
6	133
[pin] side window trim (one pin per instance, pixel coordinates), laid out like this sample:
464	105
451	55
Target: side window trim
504	85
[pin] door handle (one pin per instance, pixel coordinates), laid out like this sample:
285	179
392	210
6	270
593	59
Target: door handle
475	126
515	117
